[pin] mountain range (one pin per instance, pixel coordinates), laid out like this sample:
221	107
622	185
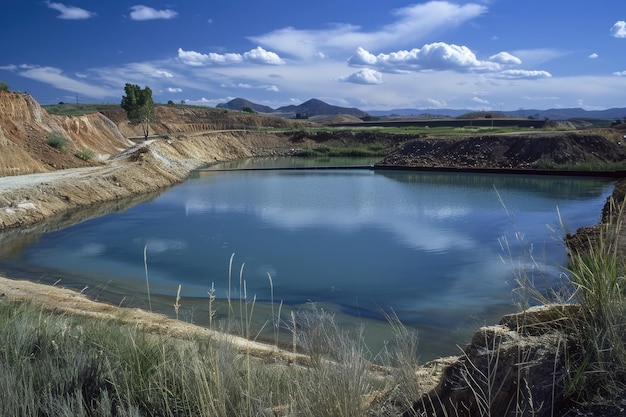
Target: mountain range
315	107
310	108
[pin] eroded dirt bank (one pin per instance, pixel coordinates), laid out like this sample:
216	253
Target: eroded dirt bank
151	166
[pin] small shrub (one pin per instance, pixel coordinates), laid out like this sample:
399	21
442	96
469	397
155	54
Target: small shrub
85	154
57	140
4	86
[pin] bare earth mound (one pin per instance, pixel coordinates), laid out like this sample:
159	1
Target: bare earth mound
526	151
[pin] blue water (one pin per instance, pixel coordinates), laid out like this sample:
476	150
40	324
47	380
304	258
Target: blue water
429	247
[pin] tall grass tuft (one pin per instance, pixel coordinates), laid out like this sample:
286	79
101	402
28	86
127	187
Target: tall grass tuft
595	283
599	285
145	265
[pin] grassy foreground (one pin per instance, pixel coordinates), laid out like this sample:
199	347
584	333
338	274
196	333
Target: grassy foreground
66	365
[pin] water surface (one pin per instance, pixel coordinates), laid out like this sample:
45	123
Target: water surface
438	250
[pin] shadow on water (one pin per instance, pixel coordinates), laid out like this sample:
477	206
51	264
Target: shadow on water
549	186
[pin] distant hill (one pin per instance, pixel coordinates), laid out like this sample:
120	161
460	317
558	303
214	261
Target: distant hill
315	107
425	113
572	113
552	114
310	108
240	103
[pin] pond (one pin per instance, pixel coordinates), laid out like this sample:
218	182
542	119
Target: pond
438	250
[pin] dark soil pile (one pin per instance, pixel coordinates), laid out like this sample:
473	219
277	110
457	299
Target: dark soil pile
527	151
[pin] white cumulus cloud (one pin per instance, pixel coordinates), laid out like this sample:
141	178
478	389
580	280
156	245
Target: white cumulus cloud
619	29
255	56
434	56
174	90
197	59
259	55
365	76
593	56
70	12
443	56
505	58
141	12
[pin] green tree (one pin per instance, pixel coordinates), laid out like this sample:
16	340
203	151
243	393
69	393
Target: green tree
139	106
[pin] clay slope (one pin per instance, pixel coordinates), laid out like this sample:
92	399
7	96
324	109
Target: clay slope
25	128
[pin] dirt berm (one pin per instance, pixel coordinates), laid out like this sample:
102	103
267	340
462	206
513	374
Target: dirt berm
537	150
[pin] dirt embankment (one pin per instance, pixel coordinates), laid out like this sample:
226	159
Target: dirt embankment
25	128
151	166
521	151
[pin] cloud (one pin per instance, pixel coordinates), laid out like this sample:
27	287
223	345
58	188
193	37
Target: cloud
479	100
255	56
505	58
174	90
141	12
620	73
410	24
443	56
434	56
365	76
524	74
259	55
197	59
265	87
70	12
619	29
54	77
163	74
593	56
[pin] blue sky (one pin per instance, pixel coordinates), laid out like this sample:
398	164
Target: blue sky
482	54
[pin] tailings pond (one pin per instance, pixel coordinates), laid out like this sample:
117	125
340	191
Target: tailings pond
441	251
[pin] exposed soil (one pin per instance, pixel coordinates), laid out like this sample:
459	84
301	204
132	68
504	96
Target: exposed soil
520	151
